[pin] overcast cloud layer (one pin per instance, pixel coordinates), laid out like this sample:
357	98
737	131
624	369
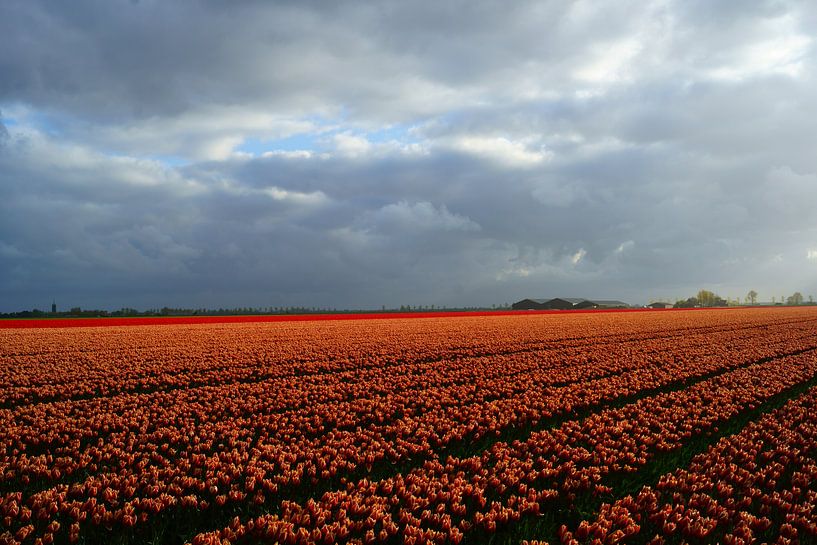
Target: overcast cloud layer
385	153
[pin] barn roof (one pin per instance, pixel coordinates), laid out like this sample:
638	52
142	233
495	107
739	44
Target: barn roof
578	300
608	302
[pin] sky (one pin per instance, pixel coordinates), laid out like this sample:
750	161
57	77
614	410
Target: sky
231	154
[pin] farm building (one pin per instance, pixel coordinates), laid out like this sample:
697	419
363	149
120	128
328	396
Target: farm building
529	304
566	303
557	303
600	303
660	304
562	303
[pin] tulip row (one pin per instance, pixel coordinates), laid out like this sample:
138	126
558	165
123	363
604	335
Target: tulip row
759	484
446	500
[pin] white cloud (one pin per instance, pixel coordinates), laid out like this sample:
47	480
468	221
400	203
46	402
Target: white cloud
289	154
784	53
517	272
351	145
578	256
609	61
84	167
624	246
313	198
206	133
522	153
811	255
405	216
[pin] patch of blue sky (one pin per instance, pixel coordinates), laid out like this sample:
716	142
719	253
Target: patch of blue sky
12	115
320	139
37	120
174	161
296	142
393	133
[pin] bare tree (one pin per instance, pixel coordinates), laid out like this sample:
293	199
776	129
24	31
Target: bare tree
752	296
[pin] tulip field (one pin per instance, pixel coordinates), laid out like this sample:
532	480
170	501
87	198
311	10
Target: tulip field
696	426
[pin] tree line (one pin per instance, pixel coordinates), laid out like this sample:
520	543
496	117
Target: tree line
77	312
706	298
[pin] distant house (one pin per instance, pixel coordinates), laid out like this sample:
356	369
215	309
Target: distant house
659	304
566	303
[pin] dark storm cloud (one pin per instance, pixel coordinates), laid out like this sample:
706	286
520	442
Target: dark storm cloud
416	153
384	62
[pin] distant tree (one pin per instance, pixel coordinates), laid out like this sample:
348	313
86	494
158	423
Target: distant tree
692	302
707	298
795	299
810	298
752	296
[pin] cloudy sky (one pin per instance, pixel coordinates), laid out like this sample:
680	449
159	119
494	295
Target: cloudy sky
219	153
